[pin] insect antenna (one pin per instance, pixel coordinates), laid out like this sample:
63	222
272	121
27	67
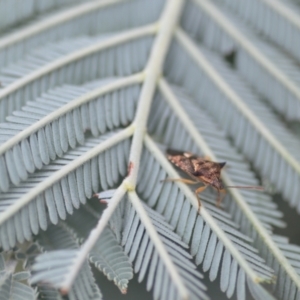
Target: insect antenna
248	187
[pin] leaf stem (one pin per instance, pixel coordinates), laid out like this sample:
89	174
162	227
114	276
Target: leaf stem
167	24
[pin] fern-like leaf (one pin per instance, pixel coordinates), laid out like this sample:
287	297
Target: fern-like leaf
283	18
11	286
24	216
92	17
47	128
84	111
139	243
59	239
211	236
107	255
35	82
228	34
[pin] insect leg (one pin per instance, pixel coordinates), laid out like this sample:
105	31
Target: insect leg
183	180
206	157
219	200
198	191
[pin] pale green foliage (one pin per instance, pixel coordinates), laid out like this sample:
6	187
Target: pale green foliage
92	94
11	286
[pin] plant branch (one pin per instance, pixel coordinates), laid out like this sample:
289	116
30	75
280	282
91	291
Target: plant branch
93	238
167	24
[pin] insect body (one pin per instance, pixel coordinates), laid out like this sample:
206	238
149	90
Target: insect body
201	170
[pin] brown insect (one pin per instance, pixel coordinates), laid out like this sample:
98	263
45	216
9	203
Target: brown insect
201	170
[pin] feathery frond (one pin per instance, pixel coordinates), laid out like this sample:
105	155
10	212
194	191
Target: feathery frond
45	129
87	91
258	223
63	241
266	135
117	51
276	20
89	18
27	9
211	235
11	286
70	180
257	60
174	278
107	255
